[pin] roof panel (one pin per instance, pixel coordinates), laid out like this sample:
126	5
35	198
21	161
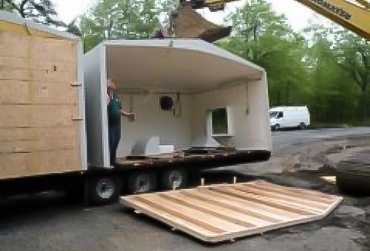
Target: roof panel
18	24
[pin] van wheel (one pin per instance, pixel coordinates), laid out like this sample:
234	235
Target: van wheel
302	126
276	127
103	190
172	176
142	182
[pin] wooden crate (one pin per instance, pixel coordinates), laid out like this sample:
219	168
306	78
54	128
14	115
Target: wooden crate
224	212
40	123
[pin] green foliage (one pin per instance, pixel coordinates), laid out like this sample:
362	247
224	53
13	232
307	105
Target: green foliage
40	11
114	19
329	72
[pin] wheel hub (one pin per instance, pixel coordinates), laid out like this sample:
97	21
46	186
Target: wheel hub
105	188
142	184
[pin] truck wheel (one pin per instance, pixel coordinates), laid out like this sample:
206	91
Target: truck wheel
276	127
103	190
170	176
142	182
302	126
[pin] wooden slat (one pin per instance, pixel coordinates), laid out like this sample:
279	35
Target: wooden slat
233	207
18	92
223	212
209	211
42	139
39	163
37	116
275	195
298	191
265	210
291	193
202	224
266	201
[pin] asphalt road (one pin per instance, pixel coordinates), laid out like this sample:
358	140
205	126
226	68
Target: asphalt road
49	223
286	138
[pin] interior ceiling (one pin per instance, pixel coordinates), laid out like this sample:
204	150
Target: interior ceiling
157	69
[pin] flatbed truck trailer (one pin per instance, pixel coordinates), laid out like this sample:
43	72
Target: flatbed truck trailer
53	119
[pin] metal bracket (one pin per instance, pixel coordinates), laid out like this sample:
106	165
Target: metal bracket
76	118
21	151
76	84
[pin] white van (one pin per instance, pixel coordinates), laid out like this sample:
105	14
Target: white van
289	117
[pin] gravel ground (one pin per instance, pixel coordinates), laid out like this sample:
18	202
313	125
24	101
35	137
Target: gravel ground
48	222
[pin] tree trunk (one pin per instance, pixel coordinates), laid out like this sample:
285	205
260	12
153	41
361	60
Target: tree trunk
363	106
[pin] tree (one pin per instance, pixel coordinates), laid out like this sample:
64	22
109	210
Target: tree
353	55
264	38
113	19
40	11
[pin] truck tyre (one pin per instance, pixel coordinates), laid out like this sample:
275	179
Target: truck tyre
103	190
170	176
142	182
353	174
276	127
302	126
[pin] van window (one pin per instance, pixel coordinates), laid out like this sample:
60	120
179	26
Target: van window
280	115
219	121
273	114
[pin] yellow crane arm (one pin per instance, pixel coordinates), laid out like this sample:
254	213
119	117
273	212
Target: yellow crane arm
351	16
354	16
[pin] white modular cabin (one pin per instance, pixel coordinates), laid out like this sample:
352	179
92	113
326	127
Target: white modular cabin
220	99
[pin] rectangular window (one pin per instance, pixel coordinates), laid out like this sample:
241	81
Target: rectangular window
220	121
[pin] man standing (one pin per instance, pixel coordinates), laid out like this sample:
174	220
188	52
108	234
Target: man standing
115	110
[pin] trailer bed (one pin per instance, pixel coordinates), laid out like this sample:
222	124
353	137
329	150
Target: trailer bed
224	212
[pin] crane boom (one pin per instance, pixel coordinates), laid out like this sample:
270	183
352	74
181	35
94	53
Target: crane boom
353	17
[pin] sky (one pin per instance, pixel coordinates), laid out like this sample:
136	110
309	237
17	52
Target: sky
298	15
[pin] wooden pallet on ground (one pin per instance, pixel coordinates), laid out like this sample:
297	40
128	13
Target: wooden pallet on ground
224	212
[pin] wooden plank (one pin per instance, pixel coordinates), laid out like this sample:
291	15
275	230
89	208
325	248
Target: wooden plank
298	191
200	223
37	75
39	139
210	210
169	219
50	65
38	163
279	196
37	116
193	213
268	201
230	213
18	92
261	218
274	214
290	193
17	45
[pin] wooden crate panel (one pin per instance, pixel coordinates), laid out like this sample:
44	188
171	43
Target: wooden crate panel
15	45
37	115
39	122
47	65
38	163
224	212
37	75
39	139
18	92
